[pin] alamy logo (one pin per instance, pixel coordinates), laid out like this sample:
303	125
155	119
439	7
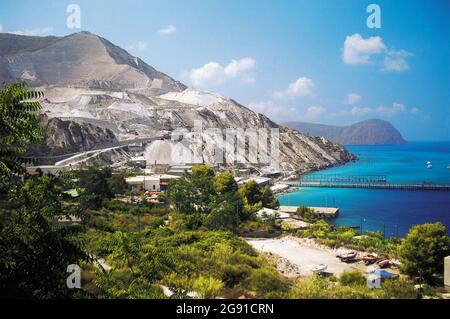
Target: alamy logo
74	19
74	279
226	146
374	20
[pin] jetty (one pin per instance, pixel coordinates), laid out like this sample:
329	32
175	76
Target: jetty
363	181
322	212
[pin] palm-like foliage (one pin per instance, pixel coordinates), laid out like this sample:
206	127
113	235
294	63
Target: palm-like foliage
19	125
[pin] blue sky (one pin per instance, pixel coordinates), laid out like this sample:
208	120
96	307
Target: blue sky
309	60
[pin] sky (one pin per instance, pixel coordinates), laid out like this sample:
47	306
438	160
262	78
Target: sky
312	60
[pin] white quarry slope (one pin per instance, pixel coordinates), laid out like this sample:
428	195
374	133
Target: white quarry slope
89	82
198	98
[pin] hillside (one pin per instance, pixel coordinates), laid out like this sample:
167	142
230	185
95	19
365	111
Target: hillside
96	87
369	132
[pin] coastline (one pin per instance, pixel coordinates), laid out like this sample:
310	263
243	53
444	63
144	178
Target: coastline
392	211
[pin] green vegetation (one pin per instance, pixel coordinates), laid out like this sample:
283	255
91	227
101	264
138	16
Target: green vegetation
35	250
422	252
206	201
19	126
343	236
351	286
307	214
207	287
135	249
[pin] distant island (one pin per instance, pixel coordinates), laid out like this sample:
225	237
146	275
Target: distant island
369	132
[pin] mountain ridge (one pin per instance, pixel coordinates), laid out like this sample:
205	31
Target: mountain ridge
368	132
97	88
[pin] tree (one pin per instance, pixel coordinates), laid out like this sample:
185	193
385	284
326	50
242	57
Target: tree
268	198
95	185
423	251
36	251
255	197
19	126
201	183
226	204
193	193
251	193
307	214
225	183
224	215
42	195
118	184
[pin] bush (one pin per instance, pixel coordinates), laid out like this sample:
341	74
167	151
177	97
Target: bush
233	275
207	287
398	289
352	278
266	280
313	287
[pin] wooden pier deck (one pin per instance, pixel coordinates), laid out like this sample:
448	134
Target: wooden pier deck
363	181
393	186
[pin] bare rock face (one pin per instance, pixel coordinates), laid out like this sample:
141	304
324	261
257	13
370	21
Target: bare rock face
98	94
71	136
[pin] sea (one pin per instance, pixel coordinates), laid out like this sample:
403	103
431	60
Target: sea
390	211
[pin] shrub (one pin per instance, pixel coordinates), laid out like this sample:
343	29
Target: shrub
207	287
398	289
266	280
352	278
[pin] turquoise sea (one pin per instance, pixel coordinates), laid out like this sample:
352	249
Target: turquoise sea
393	210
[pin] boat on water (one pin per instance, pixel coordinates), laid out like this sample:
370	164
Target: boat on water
319	268
429	164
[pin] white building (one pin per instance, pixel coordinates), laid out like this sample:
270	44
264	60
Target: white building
144	183
152	183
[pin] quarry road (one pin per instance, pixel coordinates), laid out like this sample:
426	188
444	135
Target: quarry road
102	148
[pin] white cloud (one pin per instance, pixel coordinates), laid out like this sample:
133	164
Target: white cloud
302	87
34	32
1	28
236	67
396	61
213	73
358	50
352	98
386	111
138	46
167	30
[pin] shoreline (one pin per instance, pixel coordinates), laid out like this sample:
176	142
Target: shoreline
295	257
